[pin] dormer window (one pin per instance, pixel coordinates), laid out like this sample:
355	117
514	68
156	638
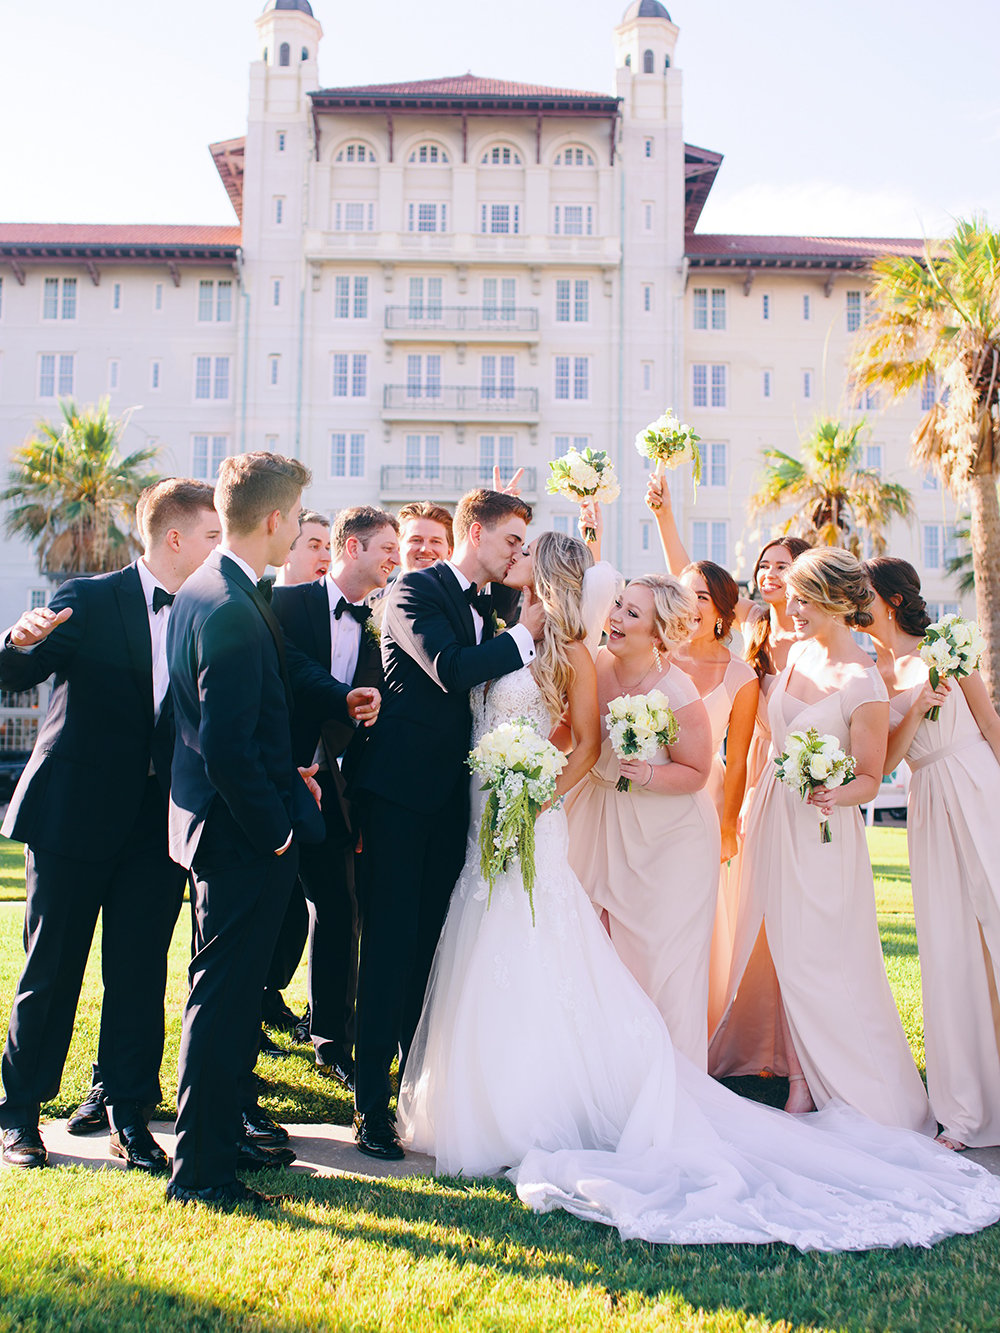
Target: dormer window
356	152
501	155
284	54
647	62
427	154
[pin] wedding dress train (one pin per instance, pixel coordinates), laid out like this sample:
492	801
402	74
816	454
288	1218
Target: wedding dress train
538	1053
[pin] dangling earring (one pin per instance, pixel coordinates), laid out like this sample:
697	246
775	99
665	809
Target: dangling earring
718	628
657	658
890	615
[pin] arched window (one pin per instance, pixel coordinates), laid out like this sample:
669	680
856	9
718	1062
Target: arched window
356	152
305	53
666	62
284	54
647	62
501	155
265	55
427	154
628	62
575	156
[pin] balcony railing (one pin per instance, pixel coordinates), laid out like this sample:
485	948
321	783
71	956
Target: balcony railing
420	481
463	318
469	399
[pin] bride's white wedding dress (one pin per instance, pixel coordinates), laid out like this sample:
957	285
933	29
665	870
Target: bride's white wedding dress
538	1053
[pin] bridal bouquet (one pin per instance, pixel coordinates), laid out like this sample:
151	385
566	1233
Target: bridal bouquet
586	476
950	647
639	725
519	770
813	760
669	443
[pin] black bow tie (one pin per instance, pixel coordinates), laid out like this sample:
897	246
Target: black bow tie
161	599
265	587
358	613
482	601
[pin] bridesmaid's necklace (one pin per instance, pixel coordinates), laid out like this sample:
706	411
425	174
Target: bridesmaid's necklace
628	688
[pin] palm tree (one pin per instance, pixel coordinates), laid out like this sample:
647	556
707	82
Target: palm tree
837	501
939	317
73	495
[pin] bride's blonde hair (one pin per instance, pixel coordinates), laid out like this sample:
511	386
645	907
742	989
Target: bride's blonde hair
559	564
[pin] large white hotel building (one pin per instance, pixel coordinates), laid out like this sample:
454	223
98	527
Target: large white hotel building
424	279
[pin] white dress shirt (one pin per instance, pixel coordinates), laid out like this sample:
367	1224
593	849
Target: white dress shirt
520	635
158	636
345	636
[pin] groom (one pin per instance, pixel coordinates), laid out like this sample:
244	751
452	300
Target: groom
412	785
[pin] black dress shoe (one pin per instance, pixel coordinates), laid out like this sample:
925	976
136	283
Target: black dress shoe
301	1033
91	1116
23	1146
341	1069
375	1135
260	1128
270	1048
252	1157
276	1014
235	1195
137	1148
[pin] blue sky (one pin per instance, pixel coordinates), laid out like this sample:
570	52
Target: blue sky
864	118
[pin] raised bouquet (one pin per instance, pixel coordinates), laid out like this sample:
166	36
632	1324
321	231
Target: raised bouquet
584	476
813	760
950	647
639	725
519	770
668	443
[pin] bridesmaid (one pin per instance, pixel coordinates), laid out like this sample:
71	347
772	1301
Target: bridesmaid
843	1035
649	858
953	834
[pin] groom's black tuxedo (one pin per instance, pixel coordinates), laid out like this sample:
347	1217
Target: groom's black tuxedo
235	798
327	870
95	824
413	788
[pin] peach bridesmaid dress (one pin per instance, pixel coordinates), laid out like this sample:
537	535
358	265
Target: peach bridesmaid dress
953	835
651	863
818	906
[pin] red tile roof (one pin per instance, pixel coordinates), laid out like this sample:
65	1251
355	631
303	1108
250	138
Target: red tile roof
787	248
141	235
461	85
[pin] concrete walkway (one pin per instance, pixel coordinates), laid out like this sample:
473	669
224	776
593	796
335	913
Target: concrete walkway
321	1150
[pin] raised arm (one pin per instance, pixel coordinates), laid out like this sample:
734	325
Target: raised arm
42	641
659	505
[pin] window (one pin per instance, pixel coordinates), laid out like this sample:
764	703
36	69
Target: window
500	298
647	216
938	609
154	374
426	217
575	156
500	219
347	454
806	307
718	307
276	291
647	62
718	386
55	375
807	380
215	300
873	458
423	458
572	300
928	392
489	384
563	443
158	296
561	523
710	541
868	399
38	597
350	374
274	370
279	210
423	375
647	297
207	453
59	298
114	368
940	545
708	389
930	481
699	308
211	377
427	154
496	451
716	471
853	312
501	155
572	377
766	383
344	307
281	141
116	296
420	308
356	152
765	305
354	216
644	535
573	220
647	376
284	54
647	148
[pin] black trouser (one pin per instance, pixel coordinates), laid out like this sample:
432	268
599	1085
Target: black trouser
326	872
240	899
290	942
139	893
410	862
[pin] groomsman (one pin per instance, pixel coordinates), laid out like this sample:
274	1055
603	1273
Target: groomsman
239	809
92	808
331	624
412	786
309	558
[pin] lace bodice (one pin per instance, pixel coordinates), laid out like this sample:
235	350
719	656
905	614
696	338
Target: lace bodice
515	695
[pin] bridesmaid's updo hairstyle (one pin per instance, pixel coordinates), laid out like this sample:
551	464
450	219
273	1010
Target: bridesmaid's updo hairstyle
898	583
795	546
723	590
833	580
559	563
675	610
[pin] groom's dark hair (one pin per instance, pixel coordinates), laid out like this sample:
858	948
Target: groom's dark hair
488	508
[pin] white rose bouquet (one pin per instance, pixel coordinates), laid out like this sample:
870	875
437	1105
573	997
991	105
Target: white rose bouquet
950	647
670	443
519	770
586	476
813	760
639	725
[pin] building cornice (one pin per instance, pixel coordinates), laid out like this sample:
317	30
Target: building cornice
25	244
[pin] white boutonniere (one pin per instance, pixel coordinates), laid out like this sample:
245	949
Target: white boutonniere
498	625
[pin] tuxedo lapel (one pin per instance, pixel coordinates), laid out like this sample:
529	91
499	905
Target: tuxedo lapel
231	571
318	610
456	596
135	622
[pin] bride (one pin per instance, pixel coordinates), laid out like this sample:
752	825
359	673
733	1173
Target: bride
538	1053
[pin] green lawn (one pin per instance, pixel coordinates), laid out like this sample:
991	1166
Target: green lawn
102	1250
